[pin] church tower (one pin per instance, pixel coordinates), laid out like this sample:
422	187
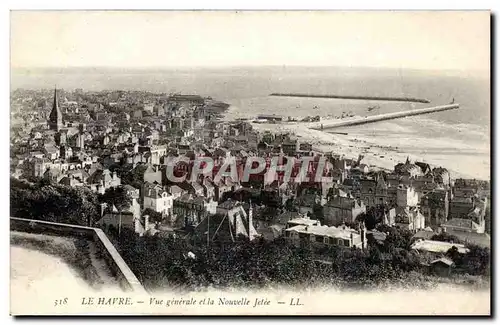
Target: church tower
55	117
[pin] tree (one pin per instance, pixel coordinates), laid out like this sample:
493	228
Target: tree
318	213
454	254
290	204
397	238
54	202
118	197
384	228
131	176
477	260
373	216
404	260
153	215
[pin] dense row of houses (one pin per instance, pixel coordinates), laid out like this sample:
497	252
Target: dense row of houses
93	144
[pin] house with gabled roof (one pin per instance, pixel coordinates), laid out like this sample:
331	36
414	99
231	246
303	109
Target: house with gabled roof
190	209
158	199
462	225
231	223
341	209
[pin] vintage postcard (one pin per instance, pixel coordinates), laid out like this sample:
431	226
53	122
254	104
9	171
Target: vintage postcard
250	163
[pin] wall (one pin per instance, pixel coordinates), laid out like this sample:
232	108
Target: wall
128	281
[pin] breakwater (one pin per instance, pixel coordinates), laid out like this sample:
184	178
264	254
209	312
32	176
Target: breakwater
382	117
392	99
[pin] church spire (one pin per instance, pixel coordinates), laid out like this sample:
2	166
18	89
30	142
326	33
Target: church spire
56	101
55	117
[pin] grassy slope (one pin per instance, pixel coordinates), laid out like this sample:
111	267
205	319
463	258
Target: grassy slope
73	251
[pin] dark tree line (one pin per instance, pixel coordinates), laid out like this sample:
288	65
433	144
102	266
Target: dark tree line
130	176
475	262
153	215
160	262
53	202
116	196
373	216
49	201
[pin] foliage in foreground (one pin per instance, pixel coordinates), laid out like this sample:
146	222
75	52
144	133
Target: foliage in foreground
161	262
53	202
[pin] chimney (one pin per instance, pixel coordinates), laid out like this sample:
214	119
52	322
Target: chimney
137	224
103	208
250	218
363	237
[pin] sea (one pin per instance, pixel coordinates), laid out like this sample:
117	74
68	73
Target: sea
458	139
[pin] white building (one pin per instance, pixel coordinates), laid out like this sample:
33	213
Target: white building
407	197
158	199
323	235
157	152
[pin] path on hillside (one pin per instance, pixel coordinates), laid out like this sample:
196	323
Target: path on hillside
102	269
77	258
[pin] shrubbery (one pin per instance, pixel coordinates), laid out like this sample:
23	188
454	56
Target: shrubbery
475	262
116	196
160	262
53	202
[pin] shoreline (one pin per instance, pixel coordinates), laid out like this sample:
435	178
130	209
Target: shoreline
376	156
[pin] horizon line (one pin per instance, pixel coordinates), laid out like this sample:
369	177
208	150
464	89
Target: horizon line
218	67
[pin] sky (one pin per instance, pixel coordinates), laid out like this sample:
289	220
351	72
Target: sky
437	40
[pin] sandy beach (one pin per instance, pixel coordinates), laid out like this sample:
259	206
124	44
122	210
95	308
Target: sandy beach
385	152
